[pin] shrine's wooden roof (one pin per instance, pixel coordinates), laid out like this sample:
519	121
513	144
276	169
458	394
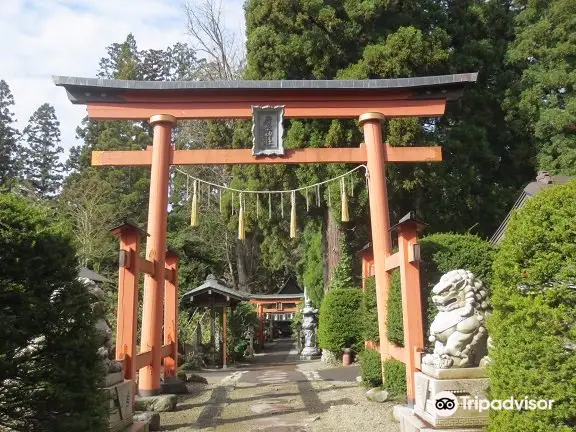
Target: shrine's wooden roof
216	289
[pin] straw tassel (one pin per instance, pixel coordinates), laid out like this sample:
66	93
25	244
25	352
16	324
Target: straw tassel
257	206
269	206
307	202
241	227
194	213
345	215
282	204
293	216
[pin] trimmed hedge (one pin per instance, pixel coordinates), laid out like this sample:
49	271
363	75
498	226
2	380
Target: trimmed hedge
339	326
395	325
371	368
440	253
370	312
533	325
395	377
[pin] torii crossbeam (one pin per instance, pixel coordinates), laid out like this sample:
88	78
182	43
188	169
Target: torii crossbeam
163	103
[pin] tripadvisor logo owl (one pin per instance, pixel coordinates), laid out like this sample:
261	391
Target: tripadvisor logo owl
446	403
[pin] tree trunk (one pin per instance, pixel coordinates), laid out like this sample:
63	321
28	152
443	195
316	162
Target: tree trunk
243	275
331	240
229	259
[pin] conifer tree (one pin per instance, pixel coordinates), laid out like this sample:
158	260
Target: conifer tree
43	170
544	101
8	136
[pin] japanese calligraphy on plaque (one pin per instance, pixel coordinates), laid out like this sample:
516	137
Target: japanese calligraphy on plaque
267	130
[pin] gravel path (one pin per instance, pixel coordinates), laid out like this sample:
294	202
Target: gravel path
279	393
304	406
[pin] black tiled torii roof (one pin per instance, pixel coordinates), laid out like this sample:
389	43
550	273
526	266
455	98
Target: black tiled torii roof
83	90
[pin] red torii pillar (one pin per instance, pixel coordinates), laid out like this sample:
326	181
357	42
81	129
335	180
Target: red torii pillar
152	313
379	217
408	259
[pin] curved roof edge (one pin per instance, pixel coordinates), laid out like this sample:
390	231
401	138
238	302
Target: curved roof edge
370	84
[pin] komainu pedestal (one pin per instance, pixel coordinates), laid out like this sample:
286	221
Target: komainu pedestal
450	385
120	406
445	401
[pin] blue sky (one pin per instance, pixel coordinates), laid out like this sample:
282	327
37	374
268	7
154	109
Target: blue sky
68	37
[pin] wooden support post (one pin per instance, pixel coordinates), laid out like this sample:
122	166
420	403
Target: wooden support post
411	301
152	315
378	194
261	321
213	330
171	314
224	334
127	312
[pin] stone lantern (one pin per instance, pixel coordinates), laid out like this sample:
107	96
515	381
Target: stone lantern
309	325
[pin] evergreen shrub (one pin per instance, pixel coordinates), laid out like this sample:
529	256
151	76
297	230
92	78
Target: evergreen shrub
533	325
371	368
49	370
395	377
369	312
340	324
395	327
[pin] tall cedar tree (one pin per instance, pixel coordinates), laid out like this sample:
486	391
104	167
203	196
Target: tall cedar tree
42	168
8	137
544	101
485	158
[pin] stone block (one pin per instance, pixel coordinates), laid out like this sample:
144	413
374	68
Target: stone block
455	373
425	399
173	385
398	411
120	405
113	378
158	403
150	417
137	427
409	422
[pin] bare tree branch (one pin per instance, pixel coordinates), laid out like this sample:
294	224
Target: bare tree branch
225	56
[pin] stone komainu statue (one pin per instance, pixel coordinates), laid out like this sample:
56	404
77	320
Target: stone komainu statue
459	329
106	350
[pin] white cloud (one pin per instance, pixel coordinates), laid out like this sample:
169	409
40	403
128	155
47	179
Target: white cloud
42	38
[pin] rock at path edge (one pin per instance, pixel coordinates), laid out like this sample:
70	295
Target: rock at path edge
159	403
377	395
150	417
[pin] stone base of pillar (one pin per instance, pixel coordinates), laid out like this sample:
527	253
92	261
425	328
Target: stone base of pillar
410	422
310	357
138	427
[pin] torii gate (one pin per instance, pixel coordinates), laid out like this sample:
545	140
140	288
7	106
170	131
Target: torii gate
163	103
